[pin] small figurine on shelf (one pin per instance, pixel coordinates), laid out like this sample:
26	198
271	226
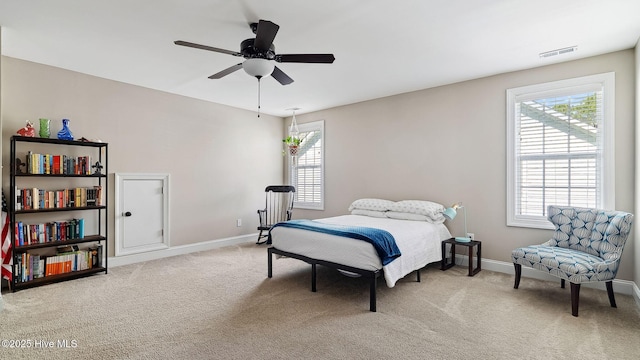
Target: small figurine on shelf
28	130
19	165
84	139
65	132
98	168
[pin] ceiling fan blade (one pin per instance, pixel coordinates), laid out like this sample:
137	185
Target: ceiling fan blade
306	58
205	47
282	78
226	71
265	34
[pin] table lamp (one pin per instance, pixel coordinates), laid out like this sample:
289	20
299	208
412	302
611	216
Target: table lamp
451	212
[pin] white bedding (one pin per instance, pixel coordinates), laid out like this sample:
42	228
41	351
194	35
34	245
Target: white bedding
418	241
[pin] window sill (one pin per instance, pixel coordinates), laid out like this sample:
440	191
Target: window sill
531	222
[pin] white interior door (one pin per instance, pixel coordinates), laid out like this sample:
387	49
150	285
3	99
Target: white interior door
141	213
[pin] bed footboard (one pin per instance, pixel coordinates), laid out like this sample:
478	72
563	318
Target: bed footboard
371	275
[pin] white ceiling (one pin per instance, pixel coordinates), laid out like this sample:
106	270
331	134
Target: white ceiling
381	47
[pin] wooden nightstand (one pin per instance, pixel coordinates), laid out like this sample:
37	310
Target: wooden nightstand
447	263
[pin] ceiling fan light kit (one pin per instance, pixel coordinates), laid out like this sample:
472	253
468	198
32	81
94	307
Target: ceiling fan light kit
258	67
259	54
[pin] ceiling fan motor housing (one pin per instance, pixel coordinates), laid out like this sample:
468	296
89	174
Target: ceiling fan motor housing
250	52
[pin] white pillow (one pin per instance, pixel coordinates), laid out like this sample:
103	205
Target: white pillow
407	216
371	204
420	207
372	213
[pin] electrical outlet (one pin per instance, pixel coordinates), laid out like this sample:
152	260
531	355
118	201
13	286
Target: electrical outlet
239	222
472	236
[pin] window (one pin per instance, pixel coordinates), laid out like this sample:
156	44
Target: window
560	148
307	170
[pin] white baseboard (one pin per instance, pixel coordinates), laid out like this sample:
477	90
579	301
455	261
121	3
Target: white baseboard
619	286
180	250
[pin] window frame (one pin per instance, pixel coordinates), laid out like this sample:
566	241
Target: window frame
561	88
302	128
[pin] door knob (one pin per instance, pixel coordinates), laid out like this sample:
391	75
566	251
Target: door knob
127	213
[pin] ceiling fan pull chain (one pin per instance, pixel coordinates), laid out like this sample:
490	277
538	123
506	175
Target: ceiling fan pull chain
258	96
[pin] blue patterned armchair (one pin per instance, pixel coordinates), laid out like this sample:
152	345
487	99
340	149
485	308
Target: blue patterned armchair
586	247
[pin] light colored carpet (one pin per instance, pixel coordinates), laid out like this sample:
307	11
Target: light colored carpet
219	304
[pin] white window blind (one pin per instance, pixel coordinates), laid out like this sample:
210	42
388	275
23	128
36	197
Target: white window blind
307	171
560	150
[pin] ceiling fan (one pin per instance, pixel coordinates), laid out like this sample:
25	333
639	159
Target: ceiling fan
260	54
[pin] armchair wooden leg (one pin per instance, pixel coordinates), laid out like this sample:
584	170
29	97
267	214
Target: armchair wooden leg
575	298
518	269
612	298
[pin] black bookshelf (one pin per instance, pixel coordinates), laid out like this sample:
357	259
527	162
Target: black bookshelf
19	148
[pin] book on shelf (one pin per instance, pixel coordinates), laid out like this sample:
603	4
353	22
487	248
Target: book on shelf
70	197
38	267
80	228
47	164
36	199
83	196
98	195
94	196
56	165
54	231
32	266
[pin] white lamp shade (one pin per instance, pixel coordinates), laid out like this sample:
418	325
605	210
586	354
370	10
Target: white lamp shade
258	67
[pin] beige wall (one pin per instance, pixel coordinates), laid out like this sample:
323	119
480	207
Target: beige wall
448	144
219	158
637	160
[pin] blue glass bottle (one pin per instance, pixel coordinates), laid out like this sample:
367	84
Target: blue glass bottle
65	132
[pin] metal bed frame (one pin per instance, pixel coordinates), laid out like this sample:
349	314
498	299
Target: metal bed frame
371	275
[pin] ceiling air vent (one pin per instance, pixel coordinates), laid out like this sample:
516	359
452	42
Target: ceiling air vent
559	51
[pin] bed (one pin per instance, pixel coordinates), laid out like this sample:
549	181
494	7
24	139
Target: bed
418	231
